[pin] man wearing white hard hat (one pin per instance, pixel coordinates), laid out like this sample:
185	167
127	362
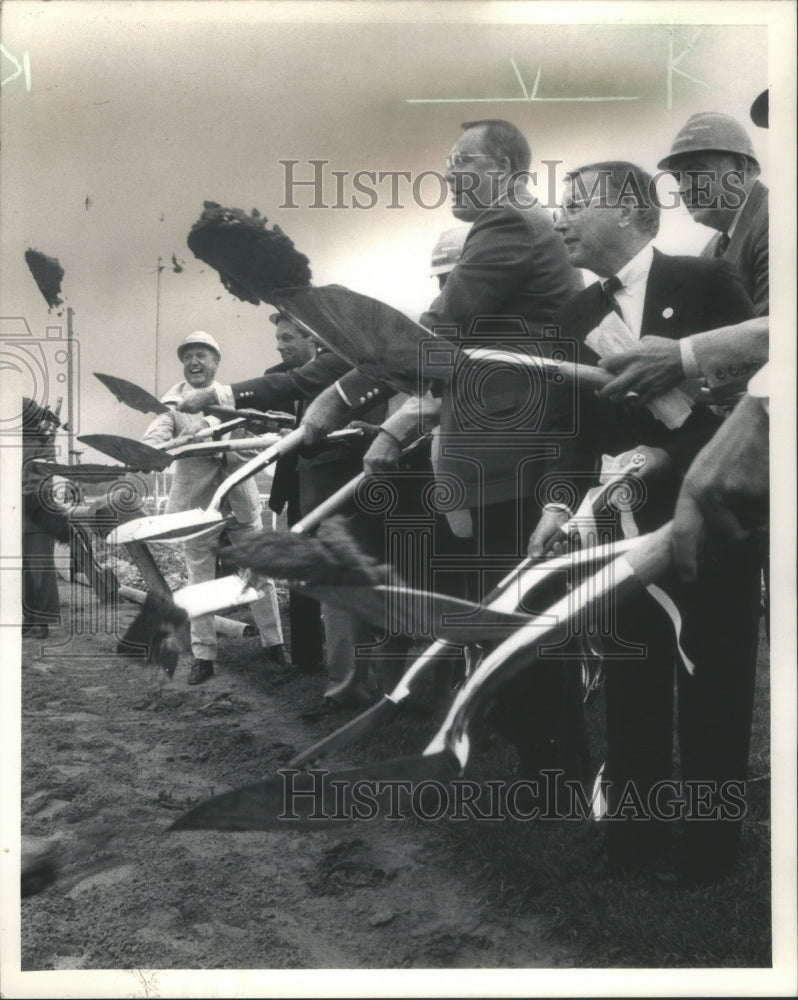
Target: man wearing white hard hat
718	173
194	483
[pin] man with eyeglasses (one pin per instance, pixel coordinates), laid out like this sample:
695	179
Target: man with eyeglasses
511	280
609	217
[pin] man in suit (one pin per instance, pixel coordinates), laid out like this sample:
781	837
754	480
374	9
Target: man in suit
296	348
193	484
318	471
498	423
717	169
608	220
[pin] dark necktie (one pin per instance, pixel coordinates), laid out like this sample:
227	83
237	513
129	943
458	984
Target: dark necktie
608	290
722	245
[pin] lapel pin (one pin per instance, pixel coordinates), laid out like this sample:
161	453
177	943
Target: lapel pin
667	312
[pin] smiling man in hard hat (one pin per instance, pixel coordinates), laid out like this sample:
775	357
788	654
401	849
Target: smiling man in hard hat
718	173
194	483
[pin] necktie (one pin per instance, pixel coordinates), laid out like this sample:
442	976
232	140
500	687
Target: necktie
608	290
722	245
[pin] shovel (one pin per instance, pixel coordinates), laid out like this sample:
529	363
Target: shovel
130	452
140	399
456	620
132	395
382	342
91	472
506	597
189	523
319	799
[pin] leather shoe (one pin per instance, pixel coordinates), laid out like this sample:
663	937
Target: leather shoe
201	671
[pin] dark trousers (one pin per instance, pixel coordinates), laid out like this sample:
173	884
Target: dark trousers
720	635
39	580
720	625
304	619
541	707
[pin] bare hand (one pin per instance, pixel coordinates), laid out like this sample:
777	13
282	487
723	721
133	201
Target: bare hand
195	400
370	431
547	538
649	370
382	456
724	497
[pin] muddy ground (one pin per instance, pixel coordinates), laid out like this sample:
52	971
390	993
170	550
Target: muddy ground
113	752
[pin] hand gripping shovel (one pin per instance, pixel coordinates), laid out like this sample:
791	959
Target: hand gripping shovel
188	523
318	799
505	598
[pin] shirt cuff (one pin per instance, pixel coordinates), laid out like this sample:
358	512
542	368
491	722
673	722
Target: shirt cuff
689	363
342	394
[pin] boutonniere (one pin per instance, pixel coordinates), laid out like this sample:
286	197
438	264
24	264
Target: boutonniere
667	312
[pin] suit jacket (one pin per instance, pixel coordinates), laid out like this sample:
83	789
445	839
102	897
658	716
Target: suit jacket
748	248
304	479
684	295
196	479
498	423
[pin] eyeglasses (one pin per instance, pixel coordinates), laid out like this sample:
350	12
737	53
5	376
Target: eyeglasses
456	161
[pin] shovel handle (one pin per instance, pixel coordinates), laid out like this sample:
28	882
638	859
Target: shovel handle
228	412
329	506
291	442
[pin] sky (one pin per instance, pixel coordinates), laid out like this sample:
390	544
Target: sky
120	119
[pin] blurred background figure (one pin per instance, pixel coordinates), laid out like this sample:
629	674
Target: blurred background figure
44	522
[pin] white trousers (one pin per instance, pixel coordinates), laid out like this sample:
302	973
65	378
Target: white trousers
201	566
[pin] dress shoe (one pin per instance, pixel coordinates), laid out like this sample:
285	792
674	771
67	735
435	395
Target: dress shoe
201	671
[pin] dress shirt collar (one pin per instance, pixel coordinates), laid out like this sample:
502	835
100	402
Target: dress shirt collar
635	272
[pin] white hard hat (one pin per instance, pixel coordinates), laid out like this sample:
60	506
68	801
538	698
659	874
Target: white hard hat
448	249
199	337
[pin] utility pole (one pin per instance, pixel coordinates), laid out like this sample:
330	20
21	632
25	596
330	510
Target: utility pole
70	386
157	317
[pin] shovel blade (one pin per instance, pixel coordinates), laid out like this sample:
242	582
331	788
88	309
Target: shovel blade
317	799
373	336
132	453
166	527
215	595
87	472
132	395
421	613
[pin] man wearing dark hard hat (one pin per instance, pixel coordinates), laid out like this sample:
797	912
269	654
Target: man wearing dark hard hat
194	482
716	166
